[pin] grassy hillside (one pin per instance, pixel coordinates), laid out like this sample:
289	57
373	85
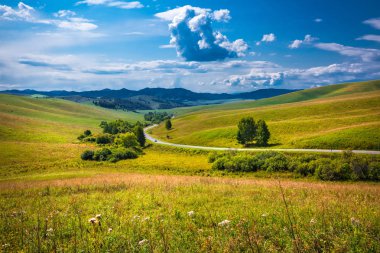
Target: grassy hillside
38	140
337	116
48	195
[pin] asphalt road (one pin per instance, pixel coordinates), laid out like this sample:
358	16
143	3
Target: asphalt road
156	141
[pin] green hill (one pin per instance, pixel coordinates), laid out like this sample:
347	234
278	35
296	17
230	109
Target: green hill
336	116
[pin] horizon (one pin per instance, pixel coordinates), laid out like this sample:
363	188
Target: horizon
207	47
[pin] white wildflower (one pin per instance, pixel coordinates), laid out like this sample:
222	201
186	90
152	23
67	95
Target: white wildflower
264	215
98	216
136	217
224	223
313	221
109	230
191	213
93	220
355	222
4	246
146	219
143	242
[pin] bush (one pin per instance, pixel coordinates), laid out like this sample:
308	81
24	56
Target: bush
220	163
127	140
324	169
87	133
102	154
87	155
214	156
303	165
123	153
374	171
104	139
359	168
278	162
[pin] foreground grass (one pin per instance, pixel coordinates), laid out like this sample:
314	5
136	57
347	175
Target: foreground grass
150	214
348	121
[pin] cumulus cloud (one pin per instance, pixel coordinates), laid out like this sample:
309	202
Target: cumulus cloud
370	37
22	12
194	38
255	80
321	75
297	43
112	3
64	18
365	54
267	38
374	22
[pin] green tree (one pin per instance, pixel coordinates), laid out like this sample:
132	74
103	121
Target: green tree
168	124
247	130
262	133
139	132
127	140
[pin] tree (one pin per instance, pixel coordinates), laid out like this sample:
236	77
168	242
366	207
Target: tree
168	124
247	130
127	140
262	133
139	132
87	133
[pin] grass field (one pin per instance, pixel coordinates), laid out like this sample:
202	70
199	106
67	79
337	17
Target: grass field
48	195
343	116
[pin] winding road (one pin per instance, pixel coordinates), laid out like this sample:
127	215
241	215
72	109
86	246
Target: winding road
156	141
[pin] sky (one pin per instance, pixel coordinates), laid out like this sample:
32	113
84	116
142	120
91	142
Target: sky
205	46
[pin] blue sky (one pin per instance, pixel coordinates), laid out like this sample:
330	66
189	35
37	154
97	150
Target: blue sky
208	45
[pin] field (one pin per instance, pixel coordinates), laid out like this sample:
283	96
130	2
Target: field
338	117
167	200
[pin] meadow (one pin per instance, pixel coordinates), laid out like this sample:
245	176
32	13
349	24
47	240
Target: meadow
334	117
167	200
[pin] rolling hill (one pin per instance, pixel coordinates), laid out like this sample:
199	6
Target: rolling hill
344	116
148	98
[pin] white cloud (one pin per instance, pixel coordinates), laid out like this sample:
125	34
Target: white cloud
366	54
167	46
76	24
112	3
370	37
23	12
374	22
318	20
297	43
64	13
267	38
193	36
65	18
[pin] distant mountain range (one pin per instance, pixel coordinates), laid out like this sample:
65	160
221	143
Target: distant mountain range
149	98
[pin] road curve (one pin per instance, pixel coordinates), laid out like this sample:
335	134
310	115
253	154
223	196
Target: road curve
156	141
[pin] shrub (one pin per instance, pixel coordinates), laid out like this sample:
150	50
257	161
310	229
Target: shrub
303	165
324	169
212	157
123	153
359	168
127	140
245	163
220	163
89	139
104	139
102	154
374	171
81	137
87	133
278	162
87	155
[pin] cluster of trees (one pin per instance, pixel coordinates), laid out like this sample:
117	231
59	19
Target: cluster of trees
120	140
249	131
157	117
348	166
